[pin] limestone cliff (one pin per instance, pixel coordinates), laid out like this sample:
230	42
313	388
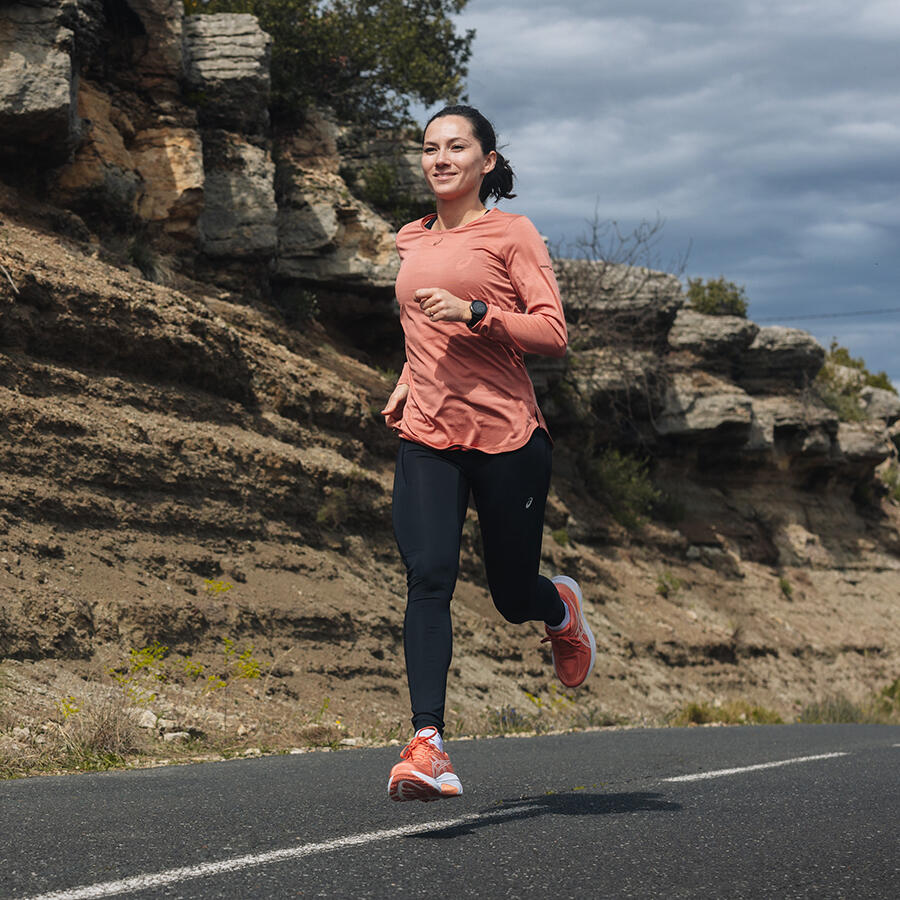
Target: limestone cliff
195	338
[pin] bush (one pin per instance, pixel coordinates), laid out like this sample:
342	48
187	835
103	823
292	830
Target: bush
840	356
623	484
717	297
840	393
366	60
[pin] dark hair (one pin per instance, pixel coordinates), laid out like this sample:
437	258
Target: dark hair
498	183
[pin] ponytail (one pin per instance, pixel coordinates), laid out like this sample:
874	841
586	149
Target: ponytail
498	183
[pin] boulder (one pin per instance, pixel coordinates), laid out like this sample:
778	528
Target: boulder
612	304
779	358
227	69
239	212
37	83
865	444
326	235
717	340
697	405
792	428
880	404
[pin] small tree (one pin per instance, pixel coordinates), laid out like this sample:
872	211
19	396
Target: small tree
717	297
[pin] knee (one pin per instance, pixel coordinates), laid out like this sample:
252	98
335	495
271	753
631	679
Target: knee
514	612
430	578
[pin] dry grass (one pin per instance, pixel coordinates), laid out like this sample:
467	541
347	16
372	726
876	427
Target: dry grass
882	708
734	712
95	735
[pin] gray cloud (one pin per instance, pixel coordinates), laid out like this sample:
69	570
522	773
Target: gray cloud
766	133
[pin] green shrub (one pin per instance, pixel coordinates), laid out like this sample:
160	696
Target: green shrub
623	484
891	477
717	297
667	585
840	393
840	356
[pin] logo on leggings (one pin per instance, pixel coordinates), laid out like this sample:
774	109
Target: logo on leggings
528	502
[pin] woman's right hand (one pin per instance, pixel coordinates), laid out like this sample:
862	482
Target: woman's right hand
393	409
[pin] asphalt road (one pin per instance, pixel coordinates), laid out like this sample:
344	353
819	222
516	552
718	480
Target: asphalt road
641	813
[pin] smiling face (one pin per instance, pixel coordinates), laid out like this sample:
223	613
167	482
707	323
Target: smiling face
453	161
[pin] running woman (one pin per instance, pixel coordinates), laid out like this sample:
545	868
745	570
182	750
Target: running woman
477	292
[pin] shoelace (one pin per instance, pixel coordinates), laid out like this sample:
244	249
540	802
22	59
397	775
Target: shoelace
573	638
414	744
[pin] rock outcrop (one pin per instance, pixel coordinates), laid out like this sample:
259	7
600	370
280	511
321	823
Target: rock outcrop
38	83
227	61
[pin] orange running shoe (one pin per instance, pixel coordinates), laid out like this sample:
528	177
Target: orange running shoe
573	648
425	773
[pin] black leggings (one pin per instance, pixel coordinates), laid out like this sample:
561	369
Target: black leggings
431	494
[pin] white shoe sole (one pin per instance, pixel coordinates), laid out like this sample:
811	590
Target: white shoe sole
573	585
419	786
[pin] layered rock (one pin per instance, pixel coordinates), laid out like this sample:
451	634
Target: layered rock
37	82
325	235
102	171
170	164
780	357
227	70
719	341
159	56
239	211
612	303
880	404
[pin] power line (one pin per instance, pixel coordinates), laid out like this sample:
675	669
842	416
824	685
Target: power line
840	315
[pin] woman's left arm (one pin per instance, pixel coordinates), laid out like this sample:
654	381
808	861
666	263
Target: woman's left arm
541	328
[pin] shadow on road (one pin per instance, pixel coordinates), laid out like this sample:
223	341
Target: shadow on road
568	804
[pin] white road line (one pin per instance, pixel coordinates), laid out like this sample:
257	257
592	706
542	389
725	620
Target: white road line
170	876
718	773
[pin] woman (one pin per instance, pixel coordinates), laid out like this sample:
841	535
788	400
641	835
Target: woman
476	291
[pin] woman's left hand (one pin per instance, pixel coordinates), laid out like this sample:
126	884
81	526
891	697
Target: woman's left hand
442	306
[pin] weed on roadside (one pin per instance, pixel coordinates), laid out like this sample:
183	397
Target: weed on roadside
733	712
882	708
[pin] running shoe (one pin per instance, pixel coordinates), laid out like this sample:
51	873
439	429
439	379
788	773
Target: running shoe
573	648
425	773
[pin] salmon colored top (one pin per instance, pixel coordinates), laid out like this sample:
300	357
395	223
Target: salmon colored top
468	388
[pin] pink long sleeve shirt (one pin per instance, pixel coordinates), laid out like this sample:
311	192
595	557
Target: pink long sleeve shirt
468	388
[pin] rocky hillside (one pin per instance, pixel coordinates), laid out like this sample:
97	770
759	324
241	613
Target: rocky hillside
196	335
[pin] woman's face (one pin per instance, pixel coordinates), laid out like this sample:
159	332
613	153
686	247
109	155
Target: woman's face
452	159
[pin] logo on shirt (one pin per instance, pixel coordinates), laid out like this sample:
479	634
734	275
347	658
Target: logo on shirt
528	502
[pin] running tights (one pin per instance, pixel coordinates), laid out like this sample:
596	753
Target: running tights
431	495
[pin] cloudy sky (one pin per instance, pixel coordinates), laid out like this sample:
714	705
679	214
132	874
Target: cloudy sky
765	132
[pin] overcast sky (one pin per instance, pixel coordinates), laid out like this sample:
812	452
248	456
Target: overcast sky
765	132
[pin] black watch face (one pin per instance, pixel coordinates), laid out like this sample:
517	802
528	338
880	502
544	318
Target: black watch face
479	308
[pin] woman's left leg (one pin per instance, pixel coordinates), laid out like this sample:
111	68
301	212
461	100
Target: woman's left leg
510	492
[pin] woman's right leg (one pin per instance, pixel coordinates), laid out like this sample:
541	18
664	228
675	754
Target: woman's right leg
429	507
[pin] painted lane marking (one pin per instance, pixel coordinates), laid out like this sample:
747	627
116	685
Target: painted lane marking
186	873
718	773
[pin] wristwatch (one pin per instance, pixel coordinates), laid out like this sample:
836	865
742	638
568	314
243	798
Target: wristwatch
478	309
